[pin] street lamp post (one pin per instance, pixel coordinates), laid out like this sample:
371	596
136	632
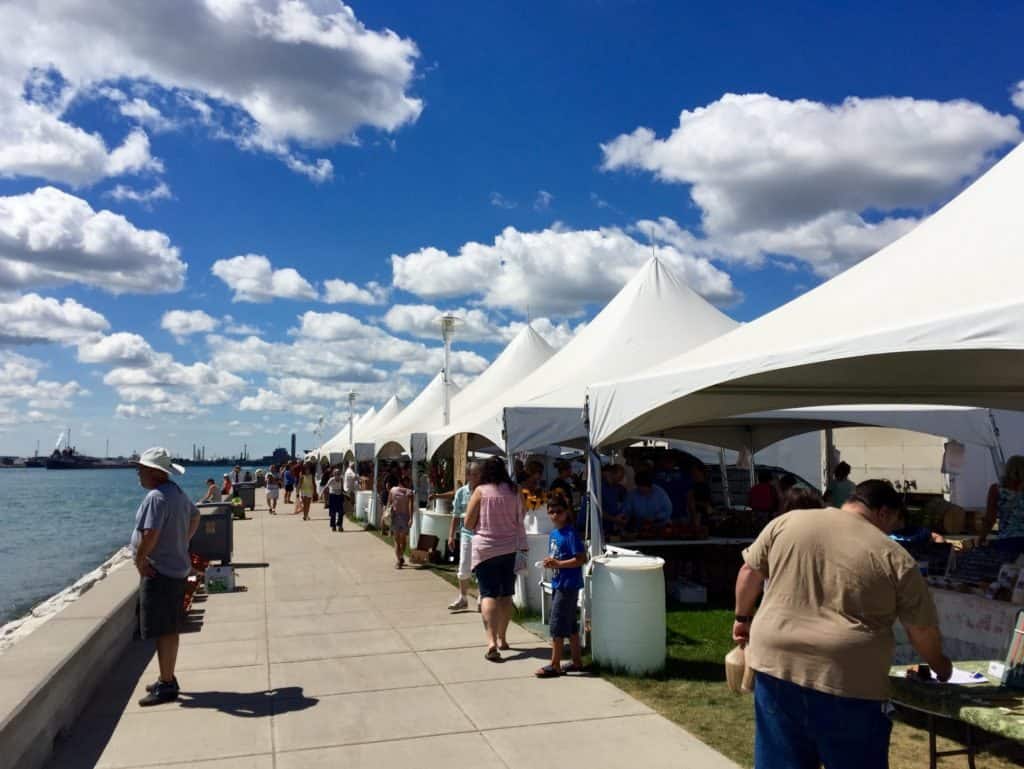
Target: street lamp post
351	417
448	323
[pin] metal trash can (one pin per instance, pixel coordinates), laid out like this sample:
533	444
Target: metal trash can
214	539
247	491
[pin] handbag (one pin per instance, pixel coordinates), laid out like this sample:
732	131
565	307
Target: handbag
386	520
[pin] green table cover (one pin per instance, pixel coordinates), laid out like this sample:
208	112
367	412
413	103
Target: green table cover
988	706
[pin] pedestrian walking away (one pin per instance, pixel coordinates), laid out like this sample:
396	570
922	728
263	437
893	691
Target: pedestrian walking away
495	515
164	525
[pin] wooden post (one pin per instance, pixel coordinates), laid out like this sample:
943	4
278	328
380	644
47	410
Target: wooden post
460	452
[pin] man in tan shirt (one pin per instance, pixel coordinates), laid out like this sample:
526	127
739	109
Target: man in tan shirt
822	642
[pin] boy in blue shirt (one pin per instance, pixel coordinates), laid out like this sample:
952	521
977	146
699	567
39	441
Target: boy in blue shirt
566	556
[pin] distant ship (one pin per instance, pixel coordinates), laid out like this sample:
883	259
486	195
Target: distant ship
68	459
61	461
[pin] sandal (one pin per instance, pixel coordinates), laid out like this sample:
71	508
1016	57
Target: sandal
493	655
504	646
548	671
574	668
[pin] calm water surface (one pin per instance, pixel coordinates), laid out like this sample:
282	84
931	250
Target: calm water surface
56	525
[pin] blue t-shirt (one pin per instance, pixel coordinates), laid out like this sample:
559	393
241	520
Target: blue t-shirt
168	509
564	544
460	504
655	507
677	486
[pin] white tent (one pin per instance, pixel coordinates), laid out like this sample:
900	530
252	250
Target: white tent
523	355
936	317
387	412
424	413
653	316
759	430
339	442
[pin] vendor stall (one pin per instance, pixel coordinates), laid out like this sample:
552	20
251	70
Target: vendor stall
983	705
973	627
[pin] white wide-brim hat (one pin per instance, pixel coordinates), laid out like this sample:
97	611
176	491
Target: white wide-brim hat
159	458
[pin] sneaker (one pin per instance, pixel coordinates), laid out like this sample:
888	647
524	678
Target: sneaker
161	694
334	528
459	603
156	684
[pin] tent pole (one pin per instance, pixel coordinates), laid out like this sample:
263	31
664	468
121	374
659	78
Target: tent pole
753	463
595	533
998	455
373	497
830	454
510	461
726	496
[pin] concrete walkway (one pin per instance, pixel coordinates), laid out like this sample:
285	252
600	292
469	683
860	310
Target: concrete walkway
333	658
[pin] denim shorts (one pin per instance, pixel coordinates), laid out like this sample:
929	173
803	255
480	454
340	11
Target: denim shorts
497	576
563	612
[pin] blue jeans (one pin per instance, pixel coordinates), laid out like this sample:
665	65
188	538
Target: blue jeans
800	728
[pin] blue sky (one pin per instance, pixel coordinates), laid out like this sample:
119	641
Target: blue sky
306	134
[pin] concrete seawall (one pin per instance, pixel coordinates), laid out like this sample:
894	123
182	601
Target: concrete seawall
49	677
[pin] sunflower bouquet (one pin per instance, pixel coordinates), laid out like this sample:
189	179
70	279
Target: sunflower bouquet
533	499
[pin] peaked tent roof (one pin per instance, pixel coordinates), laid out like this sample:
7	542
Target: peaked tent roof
523	355
424	413
339	442
935	317
652	316
387	412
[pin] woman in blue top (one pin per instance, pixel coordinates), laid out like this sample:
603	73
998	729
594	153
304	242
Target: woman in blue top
461	537
1006	502
566	556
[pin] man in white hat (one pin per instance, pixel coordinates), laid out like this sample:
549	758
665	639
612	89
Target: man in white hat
164	525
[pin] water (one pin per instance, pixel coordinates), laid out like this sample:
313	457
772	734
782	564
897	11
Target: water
56	525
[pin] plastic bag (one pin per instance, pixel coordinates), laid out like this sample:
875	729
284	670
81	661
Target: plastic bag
521	563
738	675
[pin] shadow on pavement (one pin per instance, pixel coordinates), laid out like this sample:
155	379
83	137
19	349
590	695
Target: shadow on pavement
258	704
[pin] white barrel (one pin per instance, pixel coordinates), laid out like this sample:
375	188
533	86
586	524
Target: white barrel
373	511
537	521
363	505
628	613
528	590
442	506
438	524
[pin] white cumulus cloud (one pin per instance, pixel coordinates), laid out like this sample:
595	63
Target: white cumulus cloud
183	323
278	76
118	349
48	237
338	291
25	397
159	191
1017	95
33	318
800	177
253	278
555	271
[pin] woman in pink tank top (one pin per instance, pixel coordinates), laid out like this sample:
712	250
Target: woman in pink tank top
495	514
